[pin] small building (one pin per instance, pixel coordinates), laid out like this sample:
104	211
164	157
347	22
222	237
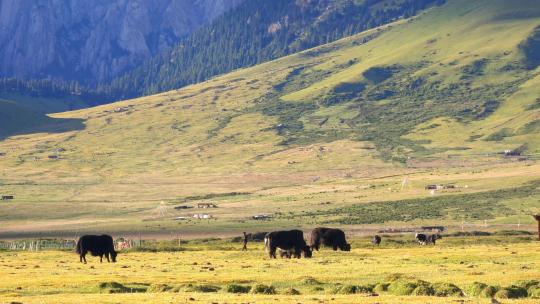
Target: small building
206	205
439	187
7	197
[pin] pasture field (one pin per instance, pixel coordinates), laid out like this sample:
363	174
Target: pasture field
199	272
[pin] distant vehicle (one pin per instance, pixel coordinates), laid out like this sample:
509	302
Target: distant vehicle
7	197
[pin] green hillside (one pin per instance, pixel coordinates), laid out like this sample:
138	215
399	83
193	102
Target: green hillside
436	98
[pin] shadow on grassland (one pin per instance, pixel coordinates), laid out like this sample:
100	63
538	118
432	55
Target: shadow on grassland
19	120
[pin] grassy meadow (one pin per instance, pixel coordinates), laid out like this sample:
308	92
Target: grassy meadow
345	135
217	272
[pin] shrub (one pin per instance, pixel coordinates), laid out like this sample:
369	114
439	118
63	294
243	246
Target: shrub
489	292
235	288
113	287
475	289
500	135
512	292
352	289
381	287
159	288
405	287
447	290
534	292
481	290
310	281
263	289
528	284
202	288
423	290
292	292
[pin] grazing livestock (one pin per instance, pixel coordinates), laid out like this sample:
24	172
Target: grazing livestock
329	237
427	239
376	240
292	240
97	245
431	239
421	238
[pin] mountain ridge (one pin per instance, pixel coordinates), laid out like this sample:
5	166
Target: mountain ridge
90	42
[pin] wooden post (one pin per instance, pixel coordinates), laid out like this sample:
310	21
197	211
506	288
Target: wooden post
537	218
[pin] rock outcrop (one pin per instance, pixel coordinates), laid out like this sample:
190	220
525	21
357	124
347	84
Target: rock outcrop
93	41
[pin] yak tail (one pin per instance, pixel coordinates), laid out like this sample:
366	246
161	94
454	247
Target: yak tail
266	243
78	247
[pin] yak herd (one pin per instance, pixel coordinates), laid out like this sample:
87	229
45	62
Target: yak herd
290	243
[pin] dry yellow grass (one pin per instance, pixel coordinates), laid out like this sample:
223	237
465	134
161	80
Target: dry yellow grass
58	277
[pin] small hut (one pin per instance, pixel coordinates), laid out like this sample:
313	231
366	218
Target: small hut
206	205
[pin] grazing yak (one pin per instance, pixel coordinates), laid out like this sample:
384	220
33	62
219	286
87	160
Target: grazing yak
329	237
376	240
97	245
427	239
292	240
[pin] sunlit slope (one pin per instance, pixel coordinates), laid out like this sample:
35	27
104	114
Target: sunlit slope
442	82
461	64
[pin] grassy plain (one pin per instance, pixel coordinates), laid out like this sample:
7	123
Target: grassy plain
203	273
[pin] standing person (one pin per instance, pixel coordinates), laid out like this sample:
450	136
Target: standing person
246	236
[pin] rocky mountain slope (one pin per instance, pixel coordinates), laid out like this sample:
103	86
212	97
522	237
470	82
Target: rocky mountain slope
92	41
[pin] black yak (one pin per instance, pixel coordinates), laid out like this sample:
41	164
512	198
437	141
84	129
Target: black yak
292	240
97	245
376	240
329	237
